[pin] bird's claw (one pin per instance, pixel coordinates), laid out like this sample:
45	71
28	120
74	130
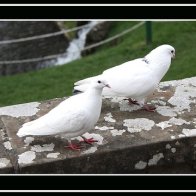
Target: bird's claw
89	141
132	101
149	108
74	147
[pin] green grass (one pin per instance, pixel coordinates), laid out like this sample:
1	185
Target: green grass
58	81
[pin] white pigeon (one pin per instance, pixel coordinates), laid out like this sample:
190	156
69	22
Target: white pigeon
134	79
72	117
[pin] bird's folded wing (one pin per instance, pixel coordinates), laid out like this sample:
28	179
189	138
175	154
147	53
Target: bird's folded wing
60	119
113	73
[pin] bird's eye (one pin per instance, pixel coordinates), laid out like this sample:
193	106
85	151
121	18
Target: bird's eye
172	51
99	81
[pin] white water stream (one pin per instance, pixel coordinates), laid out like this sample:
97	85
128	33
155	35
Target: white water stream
73	52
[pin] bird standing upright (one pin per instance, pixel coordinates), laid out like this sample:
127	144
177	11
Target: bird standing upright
72	117
135	79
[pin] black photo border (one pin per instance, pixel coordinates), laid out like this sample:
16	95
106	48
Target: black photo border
98	182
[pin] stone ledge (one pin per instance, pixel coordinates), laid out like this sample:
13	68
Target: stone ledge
130	140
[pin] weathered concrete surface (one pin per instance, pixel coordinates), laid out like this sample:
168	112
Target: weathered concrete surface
6	156
130	140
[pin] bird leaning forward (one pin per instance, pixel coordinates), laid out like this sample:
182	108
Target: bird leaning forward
135	79
71	118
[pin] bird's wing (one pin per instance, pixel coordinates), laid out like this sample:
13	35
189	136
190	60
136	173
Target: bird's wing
131	79
66	117
134	81
83	85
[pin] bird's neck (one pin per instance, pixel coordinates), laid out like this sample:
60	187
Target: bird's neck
96	101
158	65
96	93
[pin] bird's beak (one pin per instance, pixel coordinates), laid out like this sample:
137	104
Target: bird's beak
173	57
107	85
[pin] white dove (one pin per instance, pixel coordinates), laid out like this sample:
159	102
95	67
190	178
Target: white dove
72	117
134	79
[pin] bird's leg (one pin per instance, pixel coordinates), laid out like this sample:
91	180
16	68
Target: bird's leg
132	101
88	141
149	108
73	146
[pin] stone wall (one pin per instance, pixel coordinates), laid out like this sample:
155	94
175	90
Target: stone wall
10	30
98	33
130	140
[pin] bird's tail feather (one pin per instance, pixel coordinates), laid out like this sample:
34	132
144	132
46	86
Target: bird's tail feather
23	131
75	92
29	128
28	123
81	88
83	85
86	81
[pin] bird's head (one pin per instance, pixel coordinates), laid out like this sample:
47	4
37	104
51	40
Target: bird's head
100	84
166	50
169	49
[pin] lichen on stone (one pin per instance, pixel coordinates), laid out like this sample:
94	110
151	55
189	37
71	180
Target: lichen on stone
138	124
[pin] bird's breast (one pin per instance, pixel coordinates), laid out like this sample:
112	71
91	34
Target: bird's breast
93	108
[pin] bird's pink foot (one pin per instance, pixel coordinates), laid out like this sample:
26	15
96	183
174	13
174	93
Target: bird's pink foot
88	141
149	108
73	146
132	101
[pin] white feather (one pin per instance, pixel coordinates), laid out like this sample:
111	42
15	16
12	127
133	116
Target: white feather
137	78
72	117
